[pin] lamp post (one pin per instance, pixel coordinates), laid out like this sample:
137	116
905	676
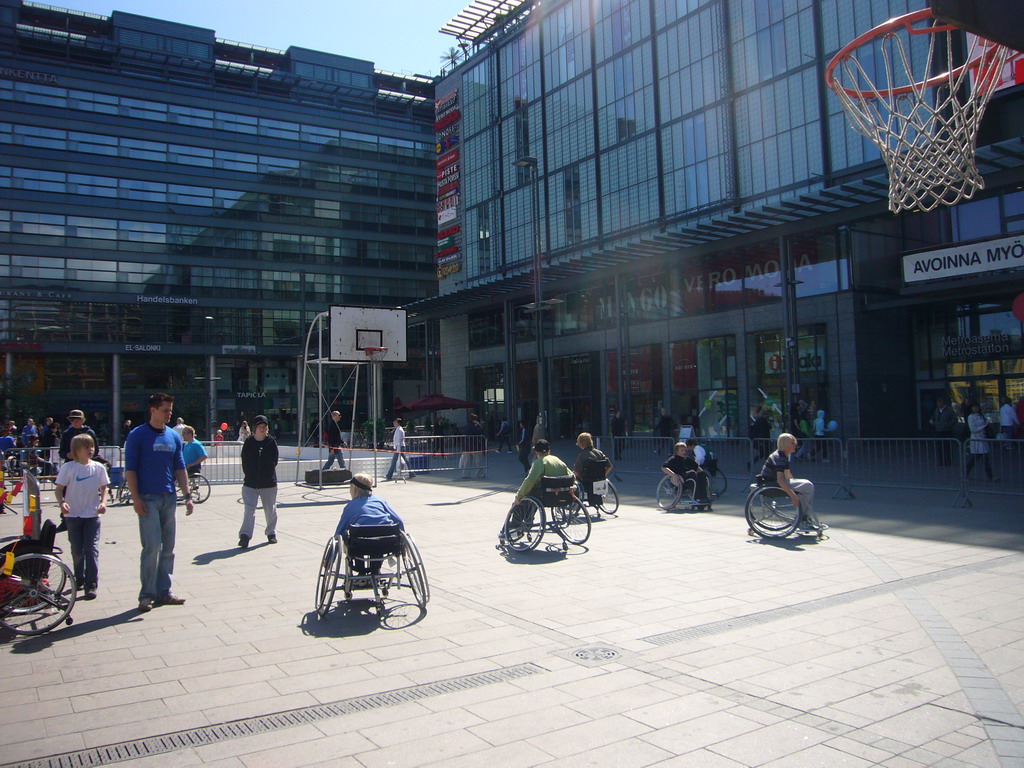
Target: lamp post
538	306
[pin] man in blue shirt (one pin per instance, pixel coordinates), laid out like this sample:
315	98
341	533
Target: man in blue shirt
365	509
192	451
153	462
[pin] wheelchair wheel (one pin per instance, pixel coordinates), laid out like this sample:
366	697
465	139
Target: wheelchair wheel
524	526
719	483
327	581
572	522
771	513
200	488
416	571
610	500
669	493
38	596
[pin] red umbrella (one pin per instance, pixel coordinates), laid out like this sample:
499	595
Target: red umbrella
399	407
438	403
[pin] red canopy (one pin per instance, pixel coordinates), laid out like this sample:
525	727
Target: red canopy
437	402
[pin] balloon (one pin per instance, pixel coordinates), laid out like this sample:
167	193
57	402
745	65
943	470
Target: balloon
708	403
223	425
833	425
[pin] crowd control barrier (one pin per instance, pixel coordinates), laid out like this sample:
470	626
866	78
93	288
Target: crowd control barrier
446	453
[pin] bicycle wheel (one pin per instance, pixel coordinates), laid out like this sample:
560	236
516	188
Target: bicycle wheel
610	500
771	513
38	596
572	522
200	488
719	483
524	526
668	493
327	581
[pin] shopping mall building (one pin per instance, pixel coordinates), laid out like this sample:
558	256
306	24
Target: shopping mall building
177	207
693	169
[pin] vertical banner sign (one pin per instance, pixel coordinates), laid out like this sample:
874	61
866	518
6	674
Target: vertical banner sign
447	126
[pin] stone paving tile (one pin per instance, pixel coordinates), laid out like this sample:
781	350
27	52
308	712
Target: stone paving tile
256	707
528	724
819	756
30	747
770	743
114	734
309	752
588	735
410	729
700	758
128	694
625	701
372	718
515	755
629	753
700	732
921	725
680	709
259	742
443	747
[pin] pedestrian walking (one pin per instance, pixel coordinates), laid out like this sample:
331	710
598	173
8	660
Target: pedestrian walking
503	437
81	488
1008	422
618	430
154	462
259	470
474	450
335	441
979	446
524	446
819	435
398	444
243	431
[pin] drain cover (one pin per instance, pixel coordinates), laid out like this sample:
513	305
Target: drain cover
592	655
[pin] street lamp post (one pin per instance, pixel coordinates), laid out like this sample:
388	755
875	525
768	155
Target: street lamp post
531	163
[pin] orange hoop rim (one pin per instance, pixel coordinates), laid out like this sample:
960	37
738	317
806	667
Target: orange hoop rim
906	21
374	350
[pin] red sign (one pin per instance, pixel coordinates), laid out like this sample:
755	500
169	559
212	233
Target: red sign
1018	307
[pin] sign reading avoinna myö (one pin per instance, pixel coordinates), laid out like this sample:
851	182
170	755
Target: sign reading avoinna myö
963	260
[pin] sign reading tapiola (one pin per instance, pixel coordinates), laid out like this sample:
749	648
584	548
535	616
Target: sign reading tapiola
962	260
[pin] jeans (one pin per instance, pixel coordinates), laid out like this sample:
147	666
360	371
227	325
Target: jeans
268	498
156	530
84	535
395	459
335	454
804	490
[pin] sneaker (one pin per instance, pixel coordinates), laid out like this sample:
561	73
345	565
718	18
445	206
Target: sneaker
90	592
170	600
145	606
272	539
243	542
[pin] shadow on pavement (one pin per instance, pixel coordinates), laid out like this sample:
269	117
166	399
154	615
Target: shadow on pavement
22	644
205	558
792	544
356	617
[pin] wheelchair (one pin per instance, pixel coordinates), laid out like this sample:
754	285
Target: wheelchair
600	494
37	589
371	557
670	495
771	514
557	511
717	482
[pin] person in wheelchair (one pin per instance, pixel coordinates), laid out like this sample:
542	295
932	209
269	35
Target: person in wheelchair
681	466
591	464
365	509
545	465
776	471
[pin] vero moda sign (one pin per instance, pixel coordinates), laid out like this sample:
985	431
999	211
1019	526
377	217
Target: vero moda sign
963	260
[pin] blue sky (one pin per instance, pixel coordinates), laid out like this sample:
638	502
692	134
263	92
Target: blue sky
396	35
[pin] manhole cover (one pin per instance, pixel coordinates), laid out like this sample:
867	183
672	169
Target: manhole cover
592	655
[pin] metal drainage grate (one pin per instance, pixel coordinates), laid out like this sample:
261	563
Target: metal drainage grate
198	737
802	609
591	655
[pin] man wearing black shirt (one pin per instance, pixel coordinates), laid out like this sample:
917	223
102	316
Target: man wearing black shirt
682	466
77	420
776	470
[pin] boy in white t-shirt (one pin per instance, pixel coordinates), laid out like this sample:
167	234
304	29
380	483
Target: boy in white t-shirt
81	490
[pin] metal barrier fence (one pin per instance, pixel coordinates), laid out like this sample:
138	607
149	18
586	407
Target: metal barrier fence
637	454
446	453
1000	460
922	463
820	459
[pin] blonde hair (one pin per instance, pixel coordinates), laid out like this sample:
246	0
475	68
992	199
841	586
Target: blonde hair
677	446
585	440
81	440
187	428
365	480
785	439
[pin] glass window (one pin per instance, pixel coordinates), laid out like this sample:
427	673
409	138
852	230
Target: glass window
976	219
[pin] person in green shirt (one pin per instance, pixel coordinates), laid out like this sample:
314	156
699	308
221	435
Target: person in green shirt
545	465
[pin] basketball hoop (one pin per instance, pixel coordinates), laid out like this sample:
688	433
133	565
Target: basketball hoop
925	126
375	354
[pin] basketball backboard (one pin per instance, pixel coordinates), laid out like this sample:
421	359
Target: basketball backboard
1001	21
355	329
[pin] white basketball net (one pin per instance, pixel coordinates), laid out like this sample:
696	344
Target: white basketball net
925	126
376	355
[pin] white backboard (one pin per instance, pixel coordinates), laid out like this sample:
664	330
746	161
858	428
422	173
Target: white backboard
353	329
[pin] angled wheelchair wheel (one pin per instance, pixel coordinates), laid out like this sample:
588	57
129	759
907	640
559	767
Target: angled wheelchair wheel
771	513
200	488
415	571
572	521
669	493
38	596
610	500
327	581
719	483
524	526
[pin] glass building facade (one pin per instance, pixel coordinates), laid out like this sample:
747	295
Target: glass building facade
176	208
692	165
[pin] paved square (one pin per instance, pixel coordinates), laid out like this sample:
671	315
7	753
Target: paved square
897	641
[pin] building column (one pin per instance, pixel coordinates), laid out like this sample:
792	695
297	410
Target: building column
9	373
115	399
